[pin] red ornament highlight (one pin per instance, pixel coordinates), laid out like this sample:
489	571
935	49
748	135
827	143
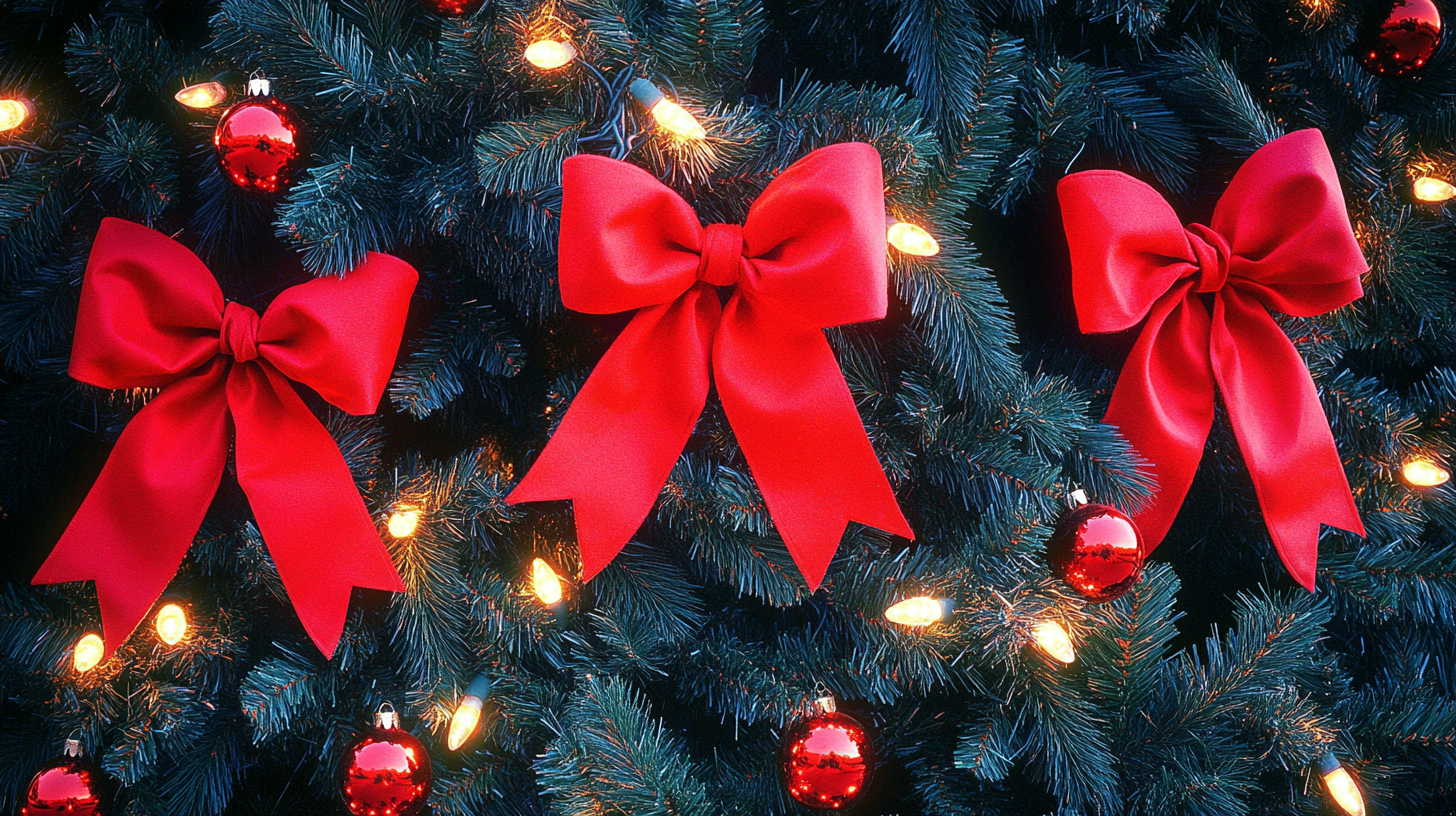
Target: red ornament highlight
260	142
452	8
1097	550
388	772
66	785
1405	40
827	760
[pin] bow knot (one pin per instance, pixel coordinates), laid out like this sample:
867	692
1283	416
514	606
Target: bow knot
238	337
151	315
1211	256
1282	234
722	254
810	254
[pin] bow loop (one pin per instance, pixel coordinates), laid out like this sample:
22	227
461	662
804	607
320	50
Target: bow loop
1280	238
238	337
722	254
1211	252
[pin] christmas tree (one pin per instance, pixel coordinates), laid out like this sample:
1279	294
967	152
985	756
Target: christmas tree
674	681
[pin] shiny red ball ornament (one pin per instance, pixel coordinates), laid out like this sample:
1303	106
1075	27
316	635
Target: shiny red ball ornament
826	760
67	785
1404	41
1097	550
387	773
261	144
452	8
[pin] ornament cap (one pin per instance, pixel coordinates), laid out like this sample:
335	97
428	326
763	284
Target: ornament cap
259	87
1078	497
386	717
73	748
825	705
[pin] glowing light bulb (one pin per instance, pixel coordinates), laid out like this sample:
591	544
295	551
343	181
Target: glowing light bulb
14	112
1054	640
171	624
1434	190
202	95
669	115
550	54
402	522
88	652
921	611
912	240
467	715
545	583
1422	472
1341	786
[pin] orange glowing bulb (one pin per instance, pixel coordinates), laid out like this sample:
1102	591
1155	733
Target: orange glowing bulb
464	721
88	652
550	54
1341	786
402	522
922	611
912	240
1421	472
202	95
1055	641
675	118
1433	189
545	583
14	112
171	624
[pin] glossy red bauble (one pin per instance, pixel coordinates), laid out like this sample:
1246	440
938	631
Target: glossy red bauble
261	144
387	773
452	8
67	785
1097	550
1405	39
826	761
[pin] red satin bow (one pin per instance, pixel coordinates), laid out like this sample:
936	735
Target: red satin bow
810	255
1280	239
152	316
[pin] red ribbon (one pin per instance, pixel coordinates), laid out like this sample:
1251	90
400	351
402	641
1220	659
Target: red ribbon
151	315
1280	239
810	255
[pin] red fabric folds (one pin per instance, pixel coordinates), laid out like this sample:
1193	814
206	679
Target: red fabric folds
1280	239
810	255
151	315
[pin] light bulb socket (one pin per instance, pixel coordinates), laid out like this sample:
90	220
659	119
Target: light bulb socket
479	688
1327	764
231	79
645	93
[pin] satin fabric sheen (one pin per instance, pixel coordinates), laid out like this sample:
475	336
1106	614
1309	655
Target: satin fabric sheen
1280	239
151	315
810	255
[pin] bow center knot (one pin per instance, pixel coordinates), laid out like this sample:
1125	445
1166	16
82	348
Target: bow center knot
722	254
239	335
1211	253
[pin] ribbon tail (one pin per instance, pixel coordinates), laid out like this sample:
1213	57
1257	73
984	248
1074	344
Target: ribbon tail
307	506
617	444
1282	431
801	433
1163	403
137	523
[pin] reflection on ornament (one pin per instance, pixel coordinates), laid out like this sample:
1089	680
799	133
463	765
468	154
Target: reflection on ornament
402	522
546	583
452	8
1341	786
549	54
388	772
1405	40
171	624
826	760
14	112
202	95
669	115
1054	640
467	715
912	239
1433	190
67	785
88	652
1422	472
921	611
260	141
